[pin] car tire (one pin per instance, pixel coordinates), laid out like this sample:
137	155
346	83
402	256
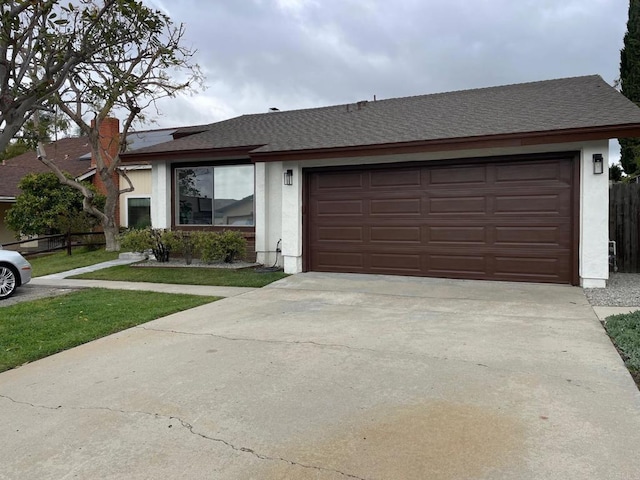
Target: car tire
8	281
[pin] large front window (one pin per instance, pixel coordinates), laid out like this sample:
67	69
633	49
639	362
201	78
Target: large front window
215	195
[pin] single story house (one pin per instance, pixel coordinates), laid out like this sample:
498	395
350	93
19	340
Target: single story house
73	155
502	183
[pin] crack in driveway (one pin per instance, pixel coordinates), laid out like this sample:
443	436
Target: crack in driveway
246	339
191	430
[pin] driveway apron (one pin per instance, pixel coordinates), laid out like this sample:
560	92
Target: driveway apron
336	376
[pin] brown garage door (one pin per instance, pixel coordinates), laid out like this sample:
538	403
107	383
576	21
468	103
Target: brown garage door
500	219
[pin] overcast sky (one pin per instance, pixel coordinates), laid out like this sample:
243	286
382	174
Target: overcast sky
292	54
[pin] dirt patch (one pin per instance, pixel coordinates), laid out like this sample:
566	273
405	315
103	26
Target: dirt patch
438	441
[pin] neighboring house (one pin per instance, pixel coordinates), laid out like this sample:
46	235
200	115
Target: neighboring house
499	183
73	155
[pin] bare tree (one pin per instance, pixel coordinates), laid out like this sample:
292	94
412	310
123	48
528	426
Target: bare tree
41	42
120	77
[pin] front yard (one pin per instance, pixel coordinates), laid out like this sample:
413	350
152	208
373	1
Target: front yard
185	276
61	262
36	329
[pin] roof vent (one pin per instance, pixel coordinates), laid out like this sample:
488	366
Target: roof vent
274	109
361	104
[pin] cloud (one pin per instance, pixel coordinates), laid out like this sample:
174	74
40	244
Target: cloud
304	53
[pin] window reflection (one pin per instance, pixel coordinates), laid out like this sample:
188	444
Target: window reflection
215	195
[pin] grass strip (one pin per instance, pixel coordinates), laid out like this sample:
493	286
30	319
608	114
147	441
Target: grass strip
36	329
61	262
624	331
185	276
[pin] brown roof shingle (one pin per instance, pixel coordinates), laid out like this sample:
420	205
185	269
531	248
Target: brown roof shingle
71	154
545	106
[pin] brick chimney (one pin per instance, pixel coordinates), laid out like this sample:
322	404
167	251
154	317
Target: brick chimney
109	132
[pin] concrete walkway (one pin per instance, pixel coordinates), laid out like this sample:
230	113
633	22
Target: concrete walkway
90	268
143	286
604	312
327	377
61	280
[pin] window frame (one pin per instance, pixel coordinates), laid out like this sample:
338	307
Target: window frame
175	167
126	209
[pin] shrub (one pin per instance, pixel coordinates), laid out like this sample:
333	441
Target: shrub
153	239
232	245
181	242
225	246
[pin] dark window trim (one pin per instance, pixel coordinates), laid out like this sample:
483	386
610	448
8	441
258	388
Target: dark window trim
248	231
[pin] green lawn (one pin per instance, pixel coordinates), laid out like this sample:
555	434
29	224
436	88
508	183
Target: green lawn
61	262
624	331
186	276
36	329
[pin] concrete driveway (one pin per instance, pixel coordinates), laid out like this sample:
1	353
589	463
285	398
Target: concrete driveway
324	376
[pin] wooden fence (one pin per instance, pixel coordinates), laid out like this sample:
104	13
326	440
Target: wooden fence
51	243
624	225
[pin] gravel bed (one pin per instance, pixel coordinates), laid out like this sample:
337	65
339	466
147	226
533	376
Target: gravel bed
195	264
623	290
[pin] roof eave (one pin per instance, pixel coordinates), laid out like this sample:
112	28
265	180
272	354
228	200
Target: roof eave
458	143
136	157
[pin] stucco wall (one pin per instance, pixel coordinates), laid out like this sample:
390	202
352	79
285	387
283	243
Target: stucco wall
594	218
141	180
268	204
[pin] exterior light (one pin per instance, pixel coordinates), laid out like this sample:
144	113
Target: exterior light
598	164
288	177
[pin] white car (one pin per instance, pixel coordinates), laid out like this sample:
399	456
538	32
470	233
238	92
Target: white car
14	272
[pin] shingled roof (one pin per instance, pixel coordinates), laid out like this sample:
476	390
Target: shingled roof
73	155
567	104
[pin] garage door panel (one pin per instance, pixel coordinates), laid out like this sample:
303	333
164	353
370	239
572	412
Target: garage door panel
456	206
340	234
340	181
336	261
394	234
458	176
534	172
331	208
457	265
396	206
551	269
455	234
398	178
390	262
552	235
502	220
542	204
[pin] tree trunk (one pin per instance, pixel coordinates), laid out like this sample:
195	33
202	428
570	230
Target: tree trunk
111	237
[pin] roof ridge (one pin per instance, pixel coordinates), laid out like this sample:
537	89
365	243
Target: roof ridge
477	89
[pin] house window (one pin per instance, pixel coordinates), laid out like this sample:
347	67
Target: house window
139	212
221	195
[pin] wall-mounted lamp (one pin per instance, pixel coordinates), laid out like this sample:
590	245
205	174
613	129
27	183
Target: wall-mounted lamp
598	164
288	177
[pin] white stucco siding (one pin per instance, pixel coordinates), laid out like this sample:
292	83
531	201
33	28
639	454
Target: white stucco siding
593	208
291	218
161	195
268	204
594	218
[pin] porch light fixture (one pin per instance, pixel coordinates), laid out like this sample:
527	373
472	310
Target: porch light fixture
598	164
288	177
